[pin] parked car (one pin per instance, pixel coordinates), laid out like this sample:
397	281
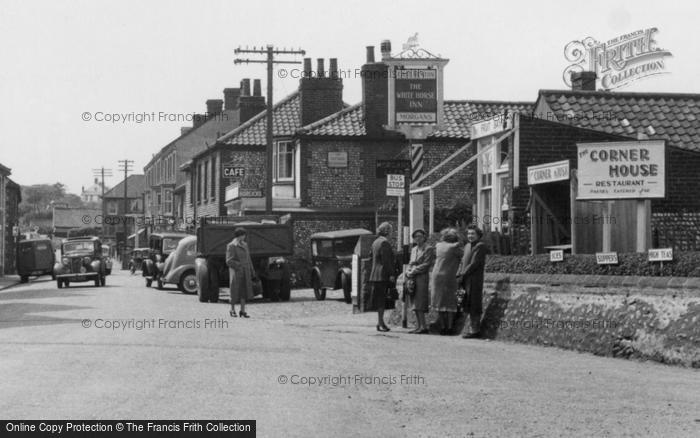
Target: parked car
108	259
179	267
35	257
81	260
137	257
160	246
331	257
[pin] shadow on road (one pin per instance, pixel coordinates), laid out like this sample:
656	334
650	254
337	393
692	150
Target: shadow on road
39	294
25	314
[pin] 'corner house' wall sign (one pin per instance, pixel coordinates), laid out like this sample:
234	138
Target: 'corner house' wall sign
622	170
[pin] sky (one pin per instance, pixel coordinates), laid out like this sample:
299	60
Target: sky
62	60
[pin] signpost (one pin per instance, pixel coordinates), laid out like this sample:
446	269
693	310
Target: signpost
661	255
395	185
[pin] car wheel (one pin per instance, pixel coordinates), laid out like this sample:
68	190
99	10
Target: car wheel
148	282
66	283
159	283
53	276
286	287
109	272
59	283
24	279
97	281
347	288
319	292
213	285
188	282
103	280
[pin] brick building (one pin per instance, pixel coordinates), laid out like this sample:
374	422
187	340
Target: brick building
10	197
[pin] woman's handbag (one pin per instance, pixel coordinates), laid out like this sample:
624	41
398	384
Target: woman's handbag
391	296
410	287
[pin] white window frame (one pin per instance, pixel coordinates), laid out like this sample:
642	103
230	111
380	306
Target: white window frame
167	201
491	219
291	152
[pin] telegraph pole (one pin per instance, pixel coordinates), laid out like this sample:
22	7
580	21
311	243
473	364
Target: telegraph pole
270	51
125	165
104	172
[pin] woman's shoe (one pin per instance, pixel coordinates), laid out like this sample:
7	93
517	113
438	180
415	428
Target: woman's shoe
423	332
243	314
232	313
382	328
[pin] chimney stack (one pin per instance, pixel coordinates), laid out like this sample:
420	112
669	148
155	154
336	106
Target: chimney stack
375	91
214	107
386	50
249	105
583	80
333	68
320	95
307	67
198	120
370	54
231	96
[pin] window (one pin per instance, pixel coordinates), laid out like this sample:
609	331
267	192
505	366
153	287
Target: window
168	203
158	201
112	207
206	181
284	161
494	192
213	178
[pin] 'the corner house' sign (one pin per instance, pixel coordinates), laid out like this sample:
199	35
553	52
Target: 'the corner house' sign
621	170
416	95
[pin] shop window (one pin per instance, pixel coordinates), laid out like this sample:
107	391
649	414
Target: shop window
284	161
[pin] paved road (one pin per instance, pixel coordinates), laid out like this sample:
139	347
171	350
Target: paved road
367	383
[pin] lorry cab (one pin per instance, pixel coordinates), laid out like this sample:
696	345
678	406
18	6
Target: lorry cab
160	245
331	257
35	257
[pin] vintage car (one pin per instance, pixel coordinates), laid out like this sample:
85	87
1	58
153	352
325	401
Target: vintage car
81	260
179	267
35	257
137	257
108	259
331	257
160	246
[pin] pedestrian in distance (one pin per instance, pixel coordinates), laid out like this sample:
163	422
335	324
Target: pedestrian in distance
418	278
383	274
241	271
443	281
471	277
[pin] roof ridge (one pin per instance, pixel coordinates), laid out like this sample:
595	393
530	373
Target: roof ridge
256	118
330	117
620	93
521	102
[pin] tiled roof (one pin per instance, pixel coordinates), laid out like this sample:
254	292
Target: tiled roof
672	117
459	116
285	121
135	185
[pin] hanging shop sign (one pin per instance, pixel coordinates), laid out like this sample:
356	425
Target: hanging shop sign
622	170
415	95
547	173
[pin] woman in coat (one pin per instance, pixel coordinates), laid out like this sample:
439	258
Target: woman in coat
383	273
241	271
418	272
443	281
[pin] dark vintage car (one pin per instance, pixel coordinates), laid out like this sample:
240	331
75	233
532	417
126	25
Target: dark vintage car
331	256
81	260
35	257
179	267
137	257
160	246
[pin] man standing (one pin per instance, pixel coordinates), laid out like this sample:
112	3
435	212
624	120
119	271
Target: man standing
471	271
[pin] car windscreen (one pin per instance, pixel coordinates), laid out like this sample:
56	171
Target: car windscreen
346	246
78	247
322	248
169	245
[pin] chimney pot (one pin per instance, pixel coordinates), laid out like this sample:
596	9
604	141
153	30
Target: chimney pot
583	80
370	54
319	67
257	88
307	67
386	49
333	68
245	87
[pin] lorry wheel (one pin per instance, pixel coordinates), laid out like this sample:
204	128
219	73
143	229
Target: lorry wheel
59	283
24	279
347	288
202	281
66	283
53	276
213	284
188	282
285	287
319	292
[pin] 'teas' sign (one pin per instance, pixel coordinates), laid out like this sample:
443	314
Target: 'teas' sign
233	171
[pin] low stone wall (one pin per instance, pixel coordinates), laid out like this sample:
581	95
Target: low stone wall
630	317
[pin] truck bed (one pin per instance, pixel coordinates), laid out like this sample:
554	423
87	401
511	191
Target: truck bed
264	240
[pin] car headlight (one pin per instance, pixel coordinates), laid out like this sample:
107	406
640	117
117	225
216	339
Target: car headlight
65	261
159	258
86	260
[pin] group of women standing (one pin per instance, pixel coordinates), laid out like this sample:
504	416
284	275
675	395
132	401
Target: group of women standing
441	270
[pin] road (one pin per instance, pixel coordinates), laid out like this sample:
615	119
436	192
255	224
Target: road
309	368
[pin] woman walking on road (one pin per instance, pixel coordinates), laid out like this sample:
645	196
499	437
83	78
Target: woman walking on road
418	275
241	271
383	272
443	281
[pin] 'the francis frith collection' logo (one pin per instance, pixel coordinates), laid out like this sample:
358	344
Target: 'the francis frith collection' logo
619	61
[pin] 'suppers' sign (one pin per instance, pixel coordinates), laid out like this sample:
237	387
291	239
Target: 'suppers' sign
622	170
416	95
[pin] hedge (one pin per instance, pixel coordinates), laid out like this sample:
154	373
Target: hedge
684	264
